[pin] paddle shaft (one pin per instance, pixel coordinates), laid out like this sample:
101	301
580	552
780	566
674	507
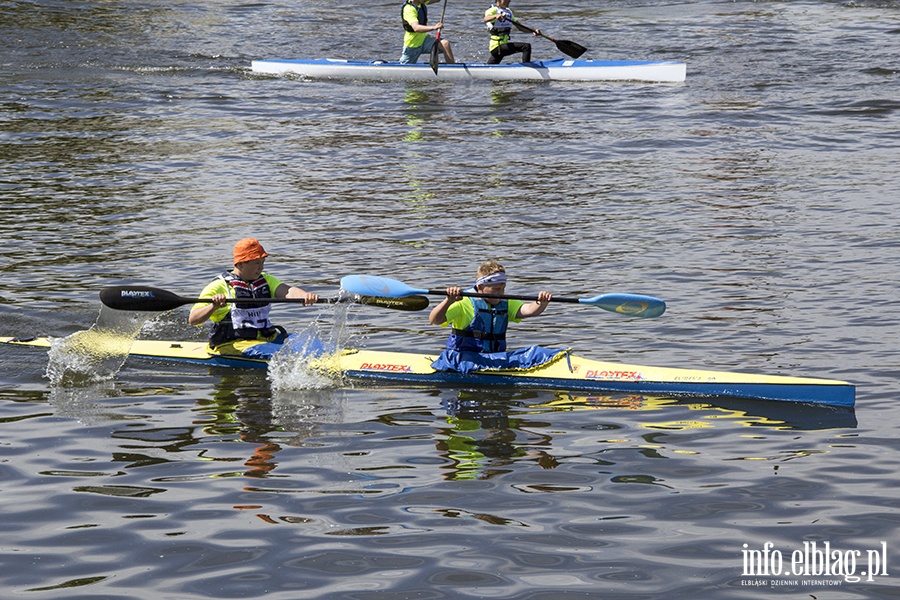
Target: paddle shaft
184	301
437	292
437	36
138	298
530	30
626	304
571	48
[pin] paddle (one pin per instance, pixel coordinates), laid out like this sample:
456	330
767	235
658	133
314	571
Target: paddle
142	298
565	46
627	304
437	40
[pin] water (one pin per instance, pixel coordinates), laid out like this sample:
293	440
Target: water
758	199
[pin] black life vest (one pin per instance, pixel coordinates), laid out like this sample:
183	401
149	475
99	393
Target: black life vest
253	317
421	11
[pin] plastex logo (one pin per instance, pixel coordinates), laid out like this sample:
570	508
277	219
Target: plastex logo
595	374
385	367
812	564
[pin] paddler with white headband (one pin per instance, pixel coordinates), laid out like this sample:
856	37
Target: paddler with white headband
479	324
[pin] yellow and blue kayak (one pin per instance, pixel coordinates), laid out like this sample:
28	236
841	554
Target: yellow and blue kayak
569	372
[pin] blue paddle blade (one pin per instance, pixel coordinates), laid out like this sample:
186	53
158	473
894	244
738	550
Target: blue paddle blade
633	305
384	287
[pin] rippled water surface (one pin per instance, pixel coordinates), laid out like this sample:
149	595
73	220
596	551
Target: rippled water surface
758	199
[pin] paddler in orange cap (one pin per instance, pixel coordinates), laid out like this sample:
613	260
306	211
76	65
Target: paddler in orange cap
244	328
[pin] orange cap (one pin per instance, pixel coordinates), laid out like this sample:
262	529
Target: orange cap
248	249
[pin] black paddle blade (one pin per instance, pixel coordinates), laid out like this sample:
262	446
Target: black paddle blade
434	56
409	303
570	48
141	298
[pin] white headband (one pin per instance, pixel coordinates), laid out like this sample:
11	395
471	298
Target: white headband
491	279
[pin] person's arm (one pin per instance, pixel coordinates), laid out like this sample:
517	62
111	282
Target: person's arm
416	26
289	291
200	314
439	313
425	28
525	29
535	308
215	291
492	16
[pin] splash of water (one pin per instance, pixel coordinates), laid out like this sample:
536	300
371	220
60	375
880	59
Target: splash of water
96	354
308	360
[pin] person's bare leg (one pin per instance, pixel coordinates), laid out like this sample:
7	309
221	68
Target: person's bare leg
448	53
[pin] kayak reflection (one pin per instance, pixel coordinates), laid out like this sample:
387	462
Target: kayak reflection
482	440
487	431
755	413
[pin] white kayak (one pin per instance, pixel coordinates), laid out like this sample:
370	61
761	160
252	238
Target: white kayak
560	69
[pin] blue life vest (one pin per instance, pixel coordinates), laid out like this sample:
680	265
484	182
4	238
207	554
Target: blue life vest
421	11
486	332
247	320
